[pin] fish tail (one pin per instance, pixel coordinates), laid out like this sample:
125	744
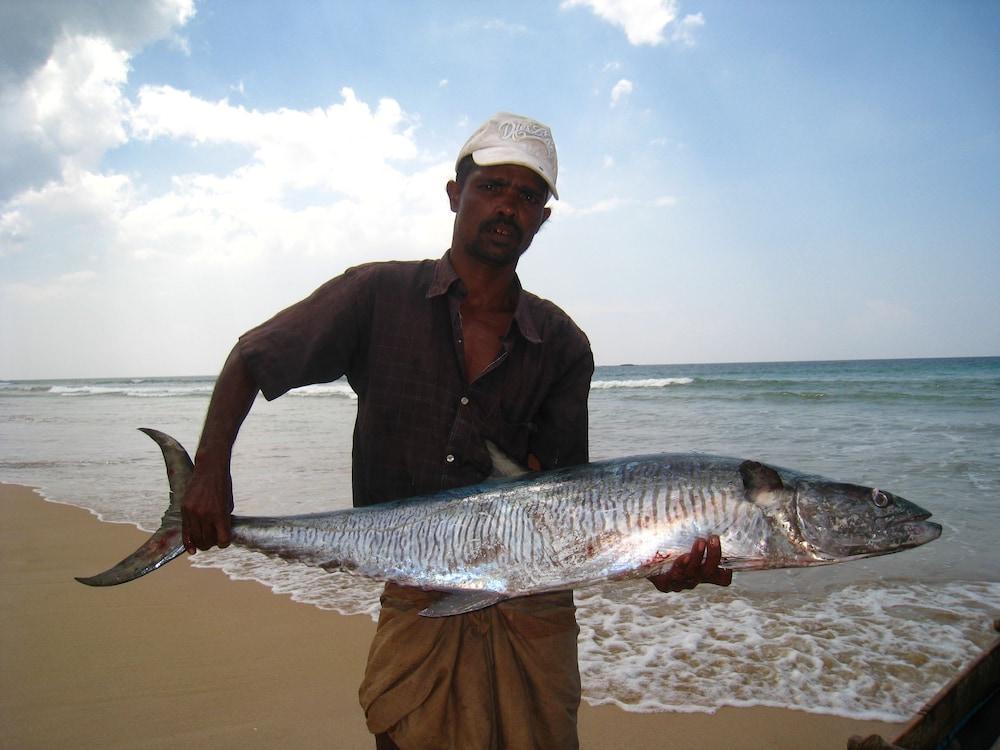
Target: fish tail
165	544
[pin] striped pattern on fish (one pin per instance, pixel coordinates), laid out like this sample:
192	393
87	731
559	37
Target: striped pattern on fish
568	528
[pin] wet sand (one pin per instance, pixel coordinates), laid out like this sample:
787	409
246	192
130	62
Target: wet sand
190	657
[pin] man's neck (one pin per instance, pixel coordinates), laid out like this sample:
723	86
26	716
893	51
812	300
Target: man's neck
488	288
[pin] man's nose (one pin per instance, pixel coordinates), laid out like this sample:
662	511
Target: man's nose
506	204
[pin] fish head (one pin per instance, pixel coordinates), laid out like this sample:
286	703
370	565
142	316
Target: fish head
839	521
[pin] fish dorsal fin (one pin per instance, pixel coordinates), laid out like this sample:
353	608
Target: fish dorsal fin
504	467
460	602
761	483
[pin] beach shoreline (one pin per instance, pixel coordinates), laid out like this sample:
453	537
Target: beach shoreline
190	656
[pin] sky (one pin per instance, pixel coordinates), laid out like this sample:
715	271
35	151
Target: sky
756	181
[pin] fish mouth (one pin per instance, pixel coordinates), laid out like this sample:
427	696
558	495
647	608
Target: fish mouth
907	534
919	530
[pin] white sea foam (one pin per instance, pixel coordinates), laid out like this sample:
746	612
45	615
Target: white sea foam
343	593
339	388
134	389
142	388
874	651
644	383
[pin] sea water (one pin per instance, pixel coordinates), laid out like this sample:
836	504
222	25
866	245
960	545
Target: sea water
869	639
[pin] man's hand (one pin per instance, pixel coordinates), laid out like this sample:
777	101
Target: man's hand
206	510
207	507
700	565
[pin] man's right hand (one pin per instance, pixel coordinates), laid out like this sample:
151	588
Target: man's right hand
207	507
206	511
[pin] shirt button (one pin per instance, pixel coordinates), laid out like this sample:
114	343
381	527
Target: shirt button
449	458
465	400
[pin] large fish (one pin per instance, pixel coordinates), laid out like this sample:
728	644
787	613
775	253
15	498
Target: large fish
567	528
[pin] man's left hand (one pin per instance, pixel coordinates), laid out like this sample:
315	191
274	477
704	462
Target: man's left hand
700	565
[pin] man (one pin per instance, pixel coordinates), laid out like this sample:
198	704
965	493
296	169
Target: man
443	355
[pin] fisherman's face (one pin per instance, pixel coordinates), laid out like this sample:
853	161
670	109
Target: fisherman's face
498	210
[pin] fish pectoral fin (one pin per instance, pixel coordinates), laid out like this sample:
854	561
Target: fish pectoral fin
504	467
460	602
761	483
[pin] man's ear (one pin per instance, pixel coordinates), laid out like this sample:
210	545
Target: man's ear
454	191
546	213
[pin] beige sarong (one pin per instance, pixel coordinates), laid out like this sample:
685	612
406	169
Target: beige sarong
502	677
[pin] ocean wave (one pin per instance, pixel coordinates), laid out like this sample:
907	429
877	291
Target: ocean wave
338	388
8	388
643	383
152	388
140	389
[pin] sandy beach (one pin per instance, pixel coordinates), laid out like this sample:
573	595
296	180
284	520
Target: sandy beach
188	656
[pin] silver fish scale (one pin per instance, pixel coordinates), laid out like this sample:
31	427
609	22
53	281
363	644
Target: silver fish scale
613	519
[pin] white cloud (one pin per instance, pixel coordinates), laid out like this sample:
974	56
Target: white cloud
304	191
61	78
608	161
74	219
665	201
30	30
74	101
67	114
683	33
643	21
315	191
324	182
620	90
345	148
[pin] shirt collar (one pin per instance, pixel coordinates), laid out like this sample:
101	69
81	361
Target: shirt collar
444	277
524	313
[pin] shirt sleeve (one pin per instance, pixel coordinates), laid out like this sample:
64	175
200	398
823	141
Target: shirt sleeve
315	340
561	437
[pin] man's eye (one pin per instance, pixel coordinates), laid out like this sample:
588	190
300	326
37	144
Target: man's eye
529	197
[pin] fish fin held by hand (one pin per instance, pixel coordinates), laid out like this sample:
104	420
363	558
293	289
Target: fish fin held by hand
460	602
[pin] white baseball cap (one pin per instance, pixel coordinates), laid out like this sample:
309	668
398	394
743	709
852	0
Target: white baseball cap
506	138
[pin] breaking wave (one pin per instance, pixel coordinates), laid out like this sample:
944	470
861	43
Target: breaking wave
643	383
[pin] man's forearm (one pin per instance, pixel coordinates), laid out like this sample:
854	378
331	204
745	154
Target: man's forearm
234	394
208	500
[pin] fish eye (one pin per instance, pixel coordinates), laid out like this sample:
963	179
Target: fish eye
880	499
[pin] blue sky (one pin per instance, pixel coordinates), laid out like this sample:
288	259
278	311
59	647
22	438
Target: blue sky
739	181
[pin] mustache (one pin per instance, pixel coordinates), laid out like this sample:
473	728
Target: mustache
492	224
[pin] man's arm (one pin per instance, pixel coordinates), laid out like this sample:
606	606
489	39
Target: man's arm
208	501
561	431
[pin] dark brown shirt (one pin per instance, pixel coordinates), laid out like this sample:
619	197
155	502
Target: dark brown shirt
394	329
